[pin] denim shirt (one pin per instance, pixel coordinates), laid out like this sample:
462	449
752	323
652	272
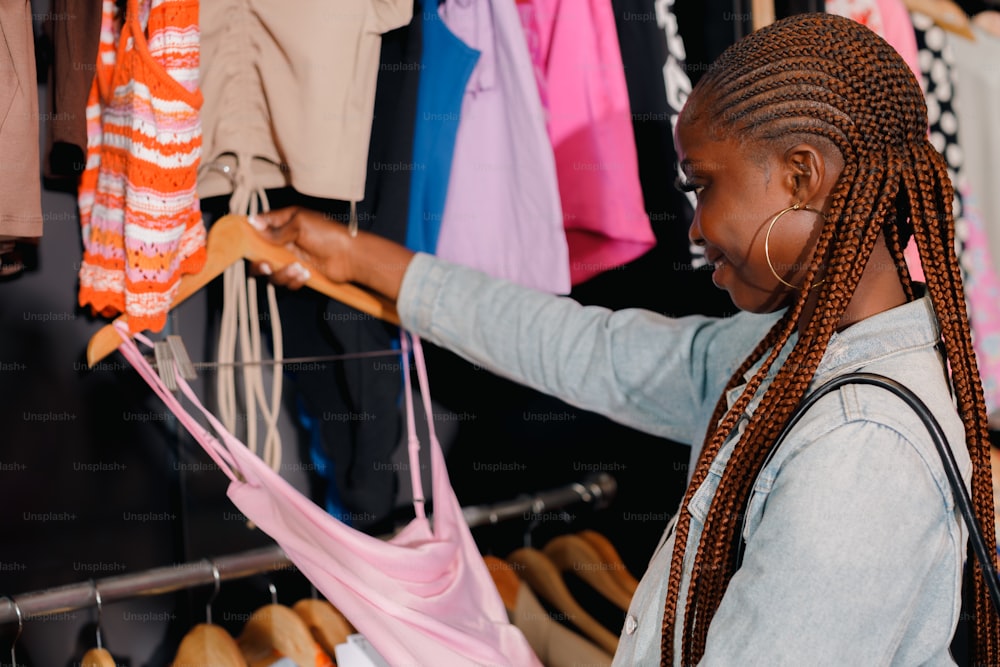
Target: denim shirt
855	548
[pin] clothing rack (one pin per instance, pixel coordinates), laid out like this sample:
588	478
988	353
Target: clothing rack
597	490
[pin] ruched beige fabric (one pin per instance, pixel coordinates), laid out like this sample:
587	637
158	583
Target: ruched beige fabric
289	92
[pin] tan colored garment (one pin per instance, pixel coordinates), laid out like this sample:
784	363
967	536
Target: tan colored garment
553	643
20	183
289	92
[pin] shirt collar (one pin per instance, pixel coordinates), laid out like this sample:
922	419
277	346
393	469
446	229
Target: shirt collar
911	325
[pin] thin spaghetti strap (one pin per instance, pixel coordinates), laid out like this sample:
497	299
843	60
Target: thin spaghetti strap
413	442
210	443
448	517
229	441
425	391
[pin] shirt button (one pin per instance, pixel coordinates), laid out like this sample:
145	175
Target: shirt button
630	624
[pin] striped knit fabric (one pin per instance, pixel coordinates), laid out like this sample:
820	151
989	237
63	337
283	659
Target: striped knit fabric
139	210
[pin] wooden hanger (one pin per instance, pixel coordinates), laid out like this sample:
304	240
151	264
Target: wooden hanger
98	657
543	577
506	580
610	555
208	644
275	631
231	239
554	644
573	554
327	625
945	13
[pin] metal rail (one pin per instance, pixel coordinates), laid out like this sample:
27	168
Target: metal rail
597	490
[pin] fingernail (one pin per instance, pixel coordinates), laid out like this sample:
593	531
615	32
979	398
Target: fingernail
265	269
257	223
301	272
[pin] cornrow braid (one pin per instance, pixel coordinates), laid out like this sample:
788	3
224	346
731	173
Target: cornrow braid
825	78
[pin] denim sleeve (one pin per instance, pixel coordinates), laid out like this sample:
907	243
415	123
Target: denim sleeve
656	374
856	560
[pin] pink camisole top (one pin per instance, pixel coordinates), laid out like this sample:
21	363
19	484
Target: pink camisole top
423	596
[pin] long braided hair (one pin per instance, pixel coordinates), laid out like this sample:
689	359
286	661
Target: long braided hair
828	78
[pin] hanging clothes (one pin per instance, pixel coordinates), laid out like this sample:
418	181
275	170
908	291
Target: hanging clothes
976	105
654	59
422	597
709	27
502	214
446	63
290	92
581	79
74	26
142	226
264	147
353	452
20	191
977	98
866	12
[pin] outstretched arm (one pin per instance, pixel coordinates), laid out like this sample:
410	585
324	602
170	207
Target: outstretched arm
654	373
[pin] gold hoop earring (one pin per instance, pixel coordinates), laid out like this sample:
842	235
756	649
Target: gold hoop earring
767	238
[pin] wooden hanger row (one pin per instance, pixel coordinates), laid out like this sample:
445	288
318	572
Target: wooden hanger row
231	239
306	633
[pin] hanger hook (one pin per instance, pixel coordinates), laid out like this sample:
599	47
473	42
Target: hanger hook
217	576
100	609
20	628
274	591
537	507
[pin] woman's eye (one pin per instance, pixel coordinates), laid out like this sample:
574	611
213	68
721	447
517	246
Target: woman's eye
688	186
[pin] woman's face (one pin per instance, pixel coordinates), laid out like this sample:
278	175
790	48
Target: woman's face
738	194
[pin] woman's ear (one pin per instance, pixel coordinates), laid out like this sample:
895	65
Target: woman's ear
806	172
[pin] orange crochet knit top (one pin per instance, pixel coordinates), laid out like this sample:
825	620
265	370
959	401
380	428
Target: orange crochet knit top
139	211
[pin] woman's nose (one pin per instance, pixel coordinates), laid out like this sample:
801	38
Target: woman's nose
694	233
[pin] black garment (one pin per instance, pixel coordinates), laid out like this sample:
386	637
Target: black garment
710	26
356	402
665	279
71	32
973	7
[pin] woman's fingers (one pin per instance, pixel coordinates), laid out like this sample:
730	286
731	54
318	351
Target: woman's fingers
310	235
279	227
292	276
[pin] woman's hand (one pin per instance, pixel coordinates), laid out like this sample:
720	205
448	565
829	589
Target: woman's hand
326	246
320	244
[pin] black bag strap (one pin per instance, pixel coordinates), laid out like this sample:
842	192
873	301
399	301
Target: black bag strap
961	494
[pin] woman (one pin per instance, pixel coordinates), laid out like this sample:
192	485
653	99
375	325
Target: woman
806	147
